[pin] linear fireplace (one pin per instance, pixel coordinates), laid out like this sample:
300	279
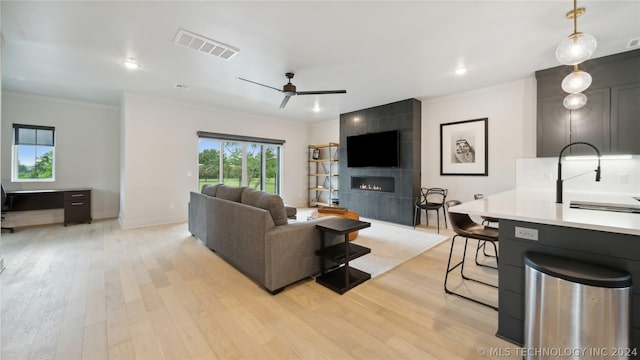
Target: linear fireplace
374	183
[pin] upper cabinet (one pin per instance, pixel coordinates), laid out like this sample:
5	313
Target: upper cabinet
625	118
610	120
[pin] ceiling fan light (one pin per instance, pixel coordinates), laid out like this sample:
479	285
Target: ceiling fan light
575	101
576	48
576	82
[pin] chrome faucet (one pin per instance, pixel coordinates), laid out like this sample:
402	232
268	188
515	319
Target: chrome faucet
559	181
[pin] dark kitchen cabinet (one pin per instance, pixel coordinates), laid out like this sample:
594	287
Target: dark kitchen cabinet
625	119
561	126
611	118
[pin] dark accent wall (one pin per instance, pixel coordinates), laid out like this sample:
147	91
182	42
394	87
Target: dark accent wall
396	206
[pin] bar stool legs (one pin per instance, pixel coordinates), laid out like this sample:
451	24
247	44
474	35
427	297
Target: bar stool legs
482	244
461	265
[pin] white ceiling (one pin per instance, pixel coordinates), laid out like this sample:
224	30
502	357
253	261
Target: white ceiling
380	52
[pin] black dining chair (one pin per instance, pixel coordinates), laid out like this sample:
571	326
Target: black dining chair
5	207
465	227
431	199
486	221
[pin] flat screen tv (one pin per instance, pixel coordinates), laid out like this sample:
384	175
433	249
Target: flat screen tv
373	150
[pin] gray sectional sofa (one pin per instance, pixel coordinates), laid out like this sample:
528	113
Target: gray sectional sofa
249	229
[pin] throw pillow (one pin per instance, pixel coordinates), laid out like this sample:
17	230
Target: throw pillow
270	202
230	193
210	190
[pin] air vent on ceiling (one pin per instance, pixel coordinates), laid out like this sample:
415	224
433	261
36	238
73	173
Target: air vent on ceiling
198	42
633	43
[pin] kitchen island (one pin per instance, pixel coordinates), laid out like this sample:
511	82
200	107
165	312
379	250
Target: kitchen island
531	221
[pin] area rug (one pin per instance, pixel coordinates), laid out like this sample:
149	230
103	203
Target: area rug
391	245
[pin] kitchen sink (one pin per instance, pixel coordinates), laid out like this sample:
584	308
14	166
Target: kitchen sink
589	205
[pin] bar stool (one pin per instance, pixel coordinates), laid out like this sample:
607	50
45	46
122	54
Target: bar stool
463	226
486	221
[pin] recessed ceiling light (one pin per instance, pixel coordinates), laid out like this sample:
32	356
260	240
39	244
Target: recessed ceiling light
460	71
131	64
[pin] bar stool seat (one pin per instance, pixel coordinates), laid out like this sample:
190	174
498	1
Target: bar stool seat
465	227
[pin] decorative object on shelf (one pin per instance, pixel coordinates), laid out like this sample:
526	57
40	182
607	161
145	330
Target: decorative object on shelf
464	148
316	154
574	50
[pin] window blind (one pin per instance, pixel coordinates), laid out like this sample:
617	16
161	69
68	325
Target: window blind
230	137
34	135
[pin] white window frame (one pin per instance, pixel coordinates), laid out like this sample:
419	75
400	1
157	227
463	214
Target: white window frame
15	154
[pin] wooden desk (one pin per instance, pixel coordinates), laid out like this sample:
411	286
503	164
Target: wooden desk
75	202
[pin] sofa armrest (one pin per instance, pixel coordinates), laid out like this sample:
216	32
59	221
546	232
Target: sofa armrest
198	216
291	252
291	211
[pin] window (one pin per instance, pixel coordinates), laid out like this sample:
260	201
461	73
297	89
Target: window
239	161
34	153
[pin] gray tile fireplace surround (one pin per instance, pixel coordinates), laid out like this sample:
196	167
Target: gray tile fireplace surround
375	200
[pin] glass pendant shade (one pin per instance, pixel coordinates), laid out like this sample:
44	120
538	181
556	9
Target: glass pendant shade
576	82
576	48
575	101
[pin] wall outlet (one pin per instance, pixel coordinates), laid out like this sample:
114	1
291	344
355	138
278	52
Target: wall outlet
623	178
527	233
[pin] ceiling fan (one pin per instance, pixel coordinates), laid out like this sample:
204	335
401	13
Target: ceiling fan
289	90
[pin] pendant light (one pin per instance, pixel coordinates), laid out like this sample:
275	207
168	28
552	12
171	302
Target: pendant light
575	49
576	82
575	101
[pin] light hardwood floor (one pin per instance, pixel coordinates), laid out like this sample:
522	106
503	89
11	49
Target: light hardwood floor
96	291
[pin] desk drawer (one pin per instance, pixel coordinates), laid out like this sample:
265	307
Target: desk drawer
77	206
77	196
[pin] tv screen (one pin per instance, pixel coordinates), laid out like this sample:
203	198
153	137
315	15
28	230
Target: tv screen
373	150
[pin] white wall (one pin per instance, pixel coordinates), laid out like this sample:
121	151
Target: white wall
511	113
159	155
87	149
325	132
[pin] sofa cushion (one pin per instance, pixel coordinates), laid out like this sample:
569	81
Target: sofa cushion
230	192
209	189
270	202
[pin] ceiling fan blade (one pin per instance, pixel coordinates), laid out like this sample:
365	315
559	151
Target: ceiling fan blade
320	92
257	83
285	101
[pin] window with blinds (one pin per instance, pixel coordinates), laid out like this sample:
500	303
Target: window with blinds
33	153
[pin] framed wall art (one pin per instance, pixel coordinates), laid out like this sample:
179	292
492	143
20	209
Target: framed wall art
464	148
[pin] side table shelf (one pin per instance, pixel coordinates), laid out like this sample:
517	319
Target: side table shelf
344	277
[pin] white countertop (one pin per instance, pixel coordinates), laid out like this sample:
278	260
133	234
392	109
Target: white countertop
540	207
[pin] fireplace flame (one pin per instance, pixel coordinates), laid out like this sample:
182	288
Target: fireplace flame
370	187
